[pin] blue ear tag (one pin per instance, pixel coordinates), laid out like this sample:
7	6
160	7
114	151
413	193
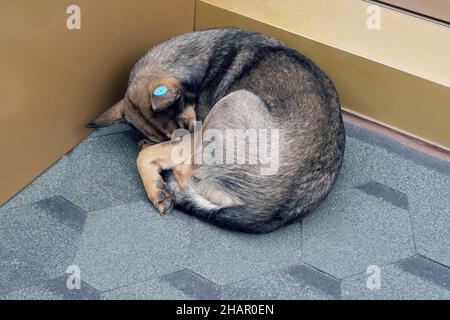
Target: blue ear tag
160	91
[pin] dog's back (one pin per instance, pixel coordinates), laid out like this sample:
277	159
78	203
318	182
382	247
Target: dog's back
247	81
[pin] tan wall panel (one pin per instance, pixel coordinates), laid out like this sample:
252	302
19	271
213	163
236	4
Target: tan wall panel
400	99
437	9
54	80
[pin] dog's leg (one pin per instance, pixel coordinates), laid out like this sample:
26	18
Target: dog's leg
176	155
182	174
187	118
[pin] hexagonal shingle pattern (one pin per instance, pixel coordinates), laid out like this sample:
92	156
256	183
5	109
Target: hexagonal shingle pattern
424	179
388	204
183	284
412	278
54	289
223	256
151	289
100	172
130	243
353	230
38	242
296	282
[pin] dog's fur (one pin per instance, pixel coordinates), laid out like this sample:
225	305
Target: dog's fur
231	78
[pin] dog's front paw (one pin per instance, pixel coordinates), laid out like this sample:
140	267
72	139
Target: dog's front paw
186	123
187	118
163	199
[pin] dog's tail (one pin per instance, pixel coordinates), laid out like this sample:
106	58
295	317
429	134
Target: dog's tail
242	218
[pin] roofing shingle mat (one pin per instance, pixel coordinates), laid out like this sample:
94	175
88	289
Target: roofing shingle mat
99	173
382	183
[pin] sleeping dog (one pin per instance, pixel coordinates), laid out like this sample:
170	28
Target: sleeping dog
267	95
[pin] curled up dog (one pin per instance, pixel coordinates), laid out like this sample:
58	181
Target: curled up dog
248	132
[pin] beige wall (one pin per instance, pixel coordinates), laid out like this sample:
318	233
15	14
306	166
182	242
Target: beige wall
438	9
54	80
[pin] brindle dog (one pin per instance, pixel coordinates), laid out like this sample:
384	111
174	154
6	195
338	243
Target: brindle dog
233	79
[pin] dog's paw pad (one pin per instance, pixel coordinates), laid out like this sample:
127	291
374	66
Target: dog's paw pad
165	200
186	123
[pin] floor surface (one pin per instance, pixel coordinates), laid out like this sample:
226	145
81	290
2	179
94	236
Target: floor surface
383	233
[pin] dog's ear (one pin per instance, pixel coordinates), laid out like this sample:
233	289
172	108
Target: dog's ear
164	93
113	115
